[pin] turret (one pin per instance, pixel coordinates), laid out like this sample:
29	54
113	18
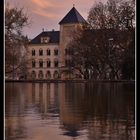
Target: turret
68	25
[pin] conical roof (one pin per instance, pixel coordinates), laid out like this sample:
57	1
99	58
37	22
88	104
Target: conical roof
73	16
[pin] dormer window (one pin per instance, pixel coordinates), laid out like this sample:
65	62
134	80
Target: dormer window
45	39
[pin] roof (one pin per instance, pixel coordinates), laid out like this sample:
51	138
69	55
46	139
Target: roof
73	16
53	35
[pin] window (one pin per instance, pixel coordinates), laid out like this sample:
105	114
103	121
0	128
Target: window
68	63
48	74
45	39
40	74
48	52
33	74
33	63
55	63
66	51
56	75
48	63
56	52
33	52
40	52
110	41
41	63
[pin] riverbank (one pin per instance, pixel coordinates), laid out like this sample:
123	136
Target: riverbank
67	81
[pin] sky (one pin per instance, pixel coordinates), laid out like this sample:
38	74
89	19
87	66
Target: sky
48	13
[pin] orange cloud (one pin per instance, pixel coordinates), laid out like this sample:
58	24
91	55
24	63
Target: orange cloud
44	4
42	8
44	13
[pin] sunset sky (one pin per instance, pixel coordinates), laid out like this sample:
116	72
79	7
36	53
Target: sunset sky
47	13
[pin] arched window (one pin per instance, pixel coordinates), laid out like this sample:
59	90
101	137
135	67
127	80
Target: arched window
48	52
41	63
33	74
55	63
48	74
48	63
40	74
33	63
55	75
55	52
40	52
33	52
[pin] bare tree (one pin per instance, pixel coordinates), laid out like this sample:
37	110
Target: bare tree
15	41
114	14
99	48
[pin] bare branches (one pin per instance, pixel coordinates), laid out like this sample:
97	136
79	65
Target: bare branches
114	14
102	49
15	41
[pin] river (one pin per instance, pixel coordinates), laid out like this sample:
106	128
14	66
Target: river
68	111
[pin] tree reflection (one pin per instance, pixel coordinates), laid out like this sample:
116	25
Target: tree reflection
104	107
14	121
104	110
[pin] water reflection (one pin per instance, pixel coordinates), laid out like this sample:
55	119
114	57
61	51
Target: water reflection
64	111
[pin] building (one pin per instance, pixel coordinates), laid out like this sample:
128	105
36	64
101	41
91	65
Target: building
47	52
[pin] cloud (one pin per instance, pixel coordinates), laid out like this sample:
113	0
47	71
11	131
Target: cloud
44	4
45	8
49	12
44	13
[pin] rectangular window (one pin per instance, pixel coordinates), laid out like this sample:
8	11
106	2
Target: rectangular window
55	52
41	64
40	52
56	64
48	52
48	64
33	52
33	64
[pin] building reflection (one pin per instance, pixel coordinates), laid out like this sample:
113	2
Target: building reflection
99	111
45	99
71	117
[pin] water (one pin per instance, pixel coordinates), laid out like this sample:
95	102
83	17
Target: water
68	111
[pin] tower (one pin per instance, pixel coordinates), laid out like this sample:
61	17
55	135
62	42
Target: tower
68	25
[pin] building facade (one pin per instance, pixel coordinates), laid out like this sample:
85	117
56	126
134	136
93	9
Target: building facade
47	52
